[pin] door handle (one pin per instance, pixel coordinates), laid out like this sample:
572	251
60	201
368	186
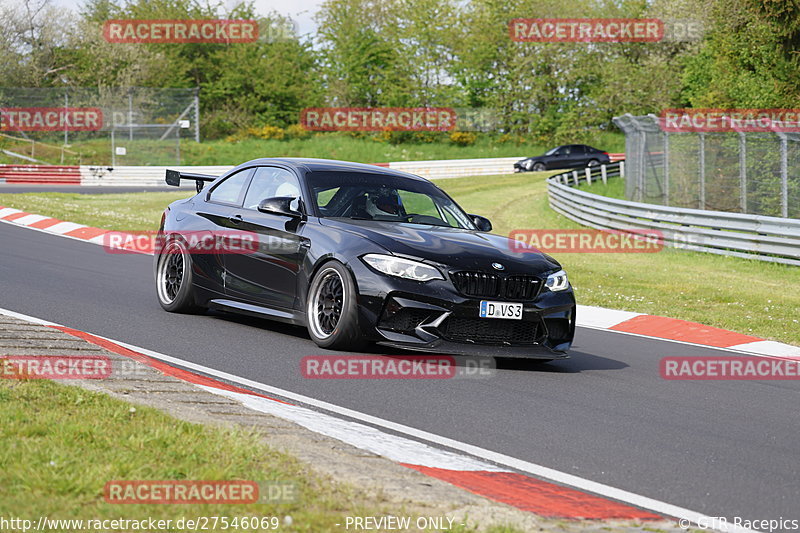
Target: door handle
236	219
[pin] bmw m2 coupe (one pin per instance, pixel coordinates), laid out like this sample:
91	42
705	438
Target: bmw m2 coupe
357	254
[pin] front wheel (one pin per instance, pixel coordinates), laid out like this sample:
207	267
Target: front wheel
539	167
174	279
331	309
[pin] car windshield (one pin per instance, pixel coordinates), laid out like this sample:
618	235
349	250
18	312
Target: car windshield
552	151
384	198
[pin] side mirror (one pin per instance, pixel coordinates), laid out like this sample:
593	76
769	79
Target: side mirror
482	223
288	206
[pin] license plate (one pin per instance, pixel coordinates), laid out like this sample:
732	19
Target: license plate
507	310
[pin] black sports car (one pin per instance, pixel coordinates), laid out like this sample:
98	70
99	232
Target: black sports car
359	253
566	156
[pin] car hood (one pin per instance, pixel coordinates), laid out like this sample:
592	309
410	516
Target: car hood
456	248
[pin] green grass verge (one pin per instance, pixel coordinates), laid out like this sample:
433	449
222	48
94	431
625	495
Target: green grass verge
327	146
124	212
62	444
742	295
613	188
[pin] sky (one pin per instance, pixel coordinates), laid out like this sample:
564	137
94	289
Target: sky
301	11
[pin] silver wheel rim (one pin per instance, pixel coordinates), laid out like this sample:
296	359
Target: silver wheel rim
326	303
171	272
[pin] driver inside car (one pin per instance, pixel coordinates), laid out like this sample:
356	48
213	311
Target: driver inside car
384	202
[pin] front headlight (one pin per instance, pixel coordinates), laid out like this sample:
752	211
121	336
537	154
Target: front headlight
557	281
402	268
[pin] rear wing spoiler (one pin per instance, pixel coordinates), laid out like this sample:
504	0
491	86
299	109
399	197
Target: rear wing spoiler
174	178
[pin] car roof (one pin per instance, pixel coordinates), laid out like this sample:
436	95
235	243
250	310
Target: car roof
307	164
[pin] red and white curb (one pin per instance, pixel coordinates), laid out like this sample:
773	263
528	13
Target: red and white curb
521	484
652	326
675	330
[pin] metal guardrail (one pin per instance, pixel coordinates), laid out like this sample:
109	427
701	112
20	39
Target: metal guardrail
759	237
591	174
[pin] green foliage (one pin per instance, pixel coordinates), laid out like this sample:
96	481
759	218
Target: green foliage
426	53
749	59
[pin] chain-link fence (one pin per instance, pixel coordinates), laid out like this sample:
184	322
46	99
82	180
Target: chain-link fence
136	126
741	172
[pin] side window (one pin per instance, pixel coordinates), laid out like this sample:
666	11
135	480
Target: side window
418	204
269	182
566	150
324	196
231	190
579	149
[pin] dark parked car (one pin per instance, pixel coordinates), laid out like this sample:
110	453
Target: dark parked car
359	253
566	156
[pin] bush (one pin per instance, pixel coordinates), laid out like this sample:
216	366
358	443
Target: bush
297	131
383	137
428	136
401	137
267	133
509	138
463	138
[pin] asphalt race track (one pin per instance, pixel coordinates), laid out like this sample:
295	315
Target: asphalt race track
726	448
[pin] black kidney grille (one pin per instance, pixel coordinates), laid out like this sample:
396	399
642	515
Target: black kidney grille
490	285
480	284
521	287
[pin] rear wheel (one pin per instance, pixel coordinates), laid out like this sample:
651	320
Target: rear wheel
174	279
593	163
538	167
331	309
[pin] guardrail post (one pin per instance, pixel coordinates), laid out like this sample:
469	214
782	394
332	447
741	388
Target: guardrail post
622	169
702	171
576	178
603	174
743	171
589	175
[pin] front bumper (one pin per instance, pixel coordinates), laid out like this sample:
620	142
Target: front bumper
435	317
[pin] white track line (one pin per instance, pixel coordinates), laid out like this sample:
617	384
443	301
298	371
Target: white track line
505	460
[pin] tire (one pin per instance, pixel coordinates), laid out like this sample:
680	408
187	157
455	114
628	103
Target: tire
593	163
174	279
331	309
539	167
